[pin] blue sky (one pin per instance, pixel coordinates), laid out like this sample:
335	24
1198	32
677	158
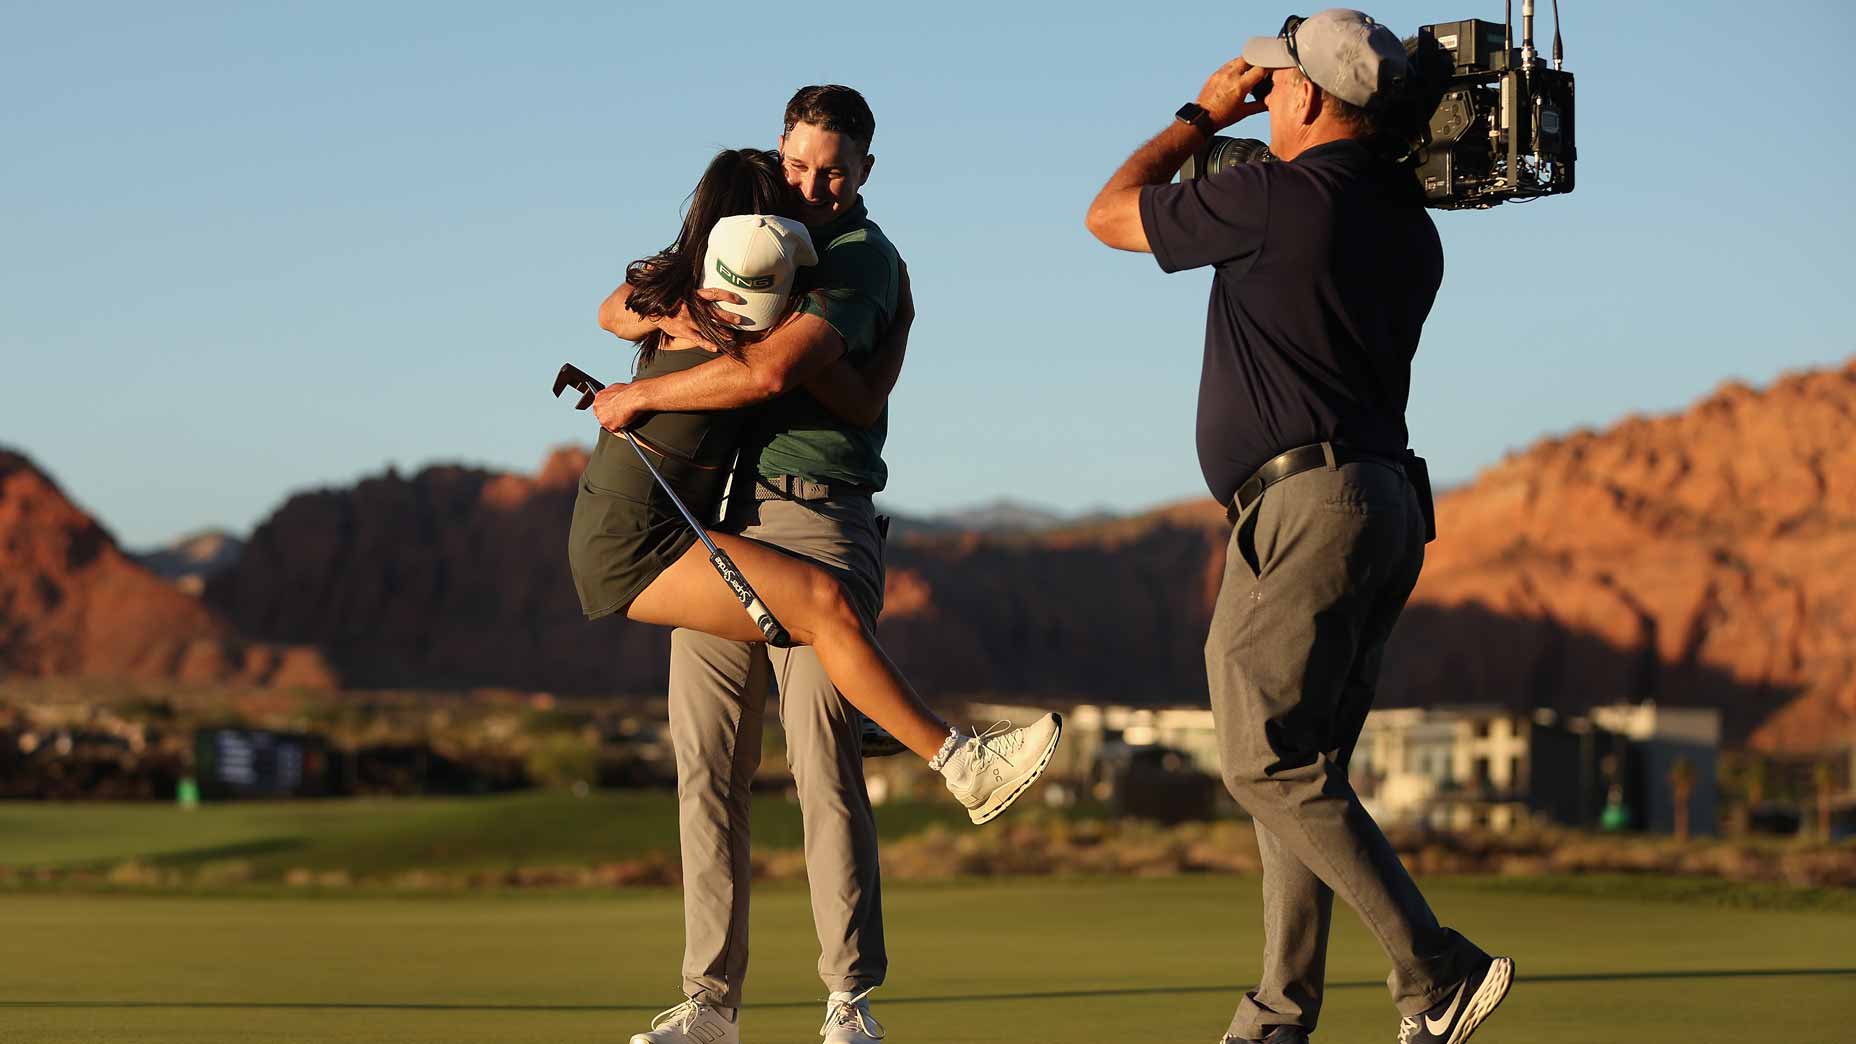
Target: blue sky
252	249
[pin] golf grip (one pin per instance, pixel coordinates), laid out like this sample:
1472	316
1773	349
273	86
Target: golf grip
763	618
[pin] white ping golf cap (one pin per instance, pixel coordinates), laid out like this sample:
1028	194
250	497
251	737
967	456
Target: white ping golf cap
756	256
1344	51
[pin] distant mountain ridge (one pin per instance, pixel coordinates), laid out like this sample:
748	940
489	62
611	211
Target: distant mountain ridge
1002	517
192	560
1706	557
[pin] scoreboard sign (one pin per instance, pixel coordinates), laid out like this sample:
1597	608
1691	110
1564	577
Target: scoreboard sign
260	763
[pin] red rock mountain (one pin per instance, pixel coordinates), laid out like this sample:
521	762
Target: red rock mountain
71	603
453	577
1708	557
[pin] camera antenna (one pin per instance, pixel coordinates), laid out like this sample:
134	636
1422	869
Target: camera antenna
1559	53
1528	55
1508	26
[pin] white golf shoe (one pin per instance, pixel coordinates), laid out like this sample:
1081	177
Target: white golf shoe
848	1020
988	771
691	1023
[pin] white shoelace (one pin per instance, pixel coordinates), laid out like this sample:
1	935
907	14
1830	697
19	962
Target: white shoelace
849	1013
1407	1030
682	1015
1004	742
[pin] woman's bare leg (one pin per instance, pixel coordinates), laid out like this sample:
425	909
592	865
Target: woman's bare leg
816	612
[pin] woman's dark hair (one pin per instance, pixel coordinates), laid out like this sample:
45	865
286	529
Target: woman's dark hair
738	181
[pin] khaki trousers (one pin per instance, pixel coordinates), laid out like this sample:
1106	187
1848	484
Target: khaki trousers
1317	572
718	695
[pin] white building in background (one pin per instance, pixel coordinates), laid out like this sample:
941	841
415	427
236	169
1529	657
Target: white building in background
1455	768
1189	730
1459	767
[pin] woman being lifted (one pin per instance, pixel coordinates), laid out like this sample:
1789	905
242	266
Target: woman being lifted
632	553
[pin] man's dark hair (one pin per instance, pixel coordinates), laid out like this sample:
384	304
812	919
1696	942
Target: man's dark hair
833	107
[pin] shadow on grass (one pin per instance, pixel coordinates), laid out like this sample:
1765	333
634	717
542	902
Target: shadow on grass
970	998
235	850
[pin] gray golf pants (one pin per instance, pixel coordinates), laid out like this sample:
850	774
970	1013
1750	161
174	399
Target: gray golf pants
718	694
1316	574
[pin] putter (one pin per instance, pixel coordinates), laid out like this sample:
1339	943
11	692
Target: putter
763	618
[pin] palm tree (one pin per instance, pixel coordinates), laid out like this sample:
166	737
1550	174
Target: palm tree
1753	786
1682	785
1826	780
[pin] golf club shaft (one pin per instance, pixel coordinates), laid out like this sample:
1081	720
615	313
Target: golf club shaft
701	534
763	617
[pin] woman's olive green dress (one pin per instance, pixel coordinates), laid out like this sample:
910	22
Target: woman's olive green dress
625	530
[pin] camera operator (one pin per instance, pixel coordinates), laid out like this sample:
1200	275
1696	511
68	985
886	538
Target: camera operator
1326	265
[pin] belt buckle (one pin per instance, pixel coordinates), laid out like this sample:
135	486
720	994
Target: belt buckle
800	488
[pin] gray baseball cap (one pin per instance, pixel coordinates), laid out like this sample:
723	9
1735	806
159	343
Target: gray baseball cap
1345	52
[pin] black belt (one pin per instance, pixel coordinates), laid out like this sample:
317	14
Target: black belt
1294	462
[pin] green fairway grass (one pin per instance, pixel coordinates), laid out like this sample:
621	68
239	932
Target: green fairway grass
1063	961
371	839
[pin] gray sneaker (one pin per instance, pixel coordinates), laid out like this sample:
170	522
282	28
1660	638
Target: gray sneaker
988	771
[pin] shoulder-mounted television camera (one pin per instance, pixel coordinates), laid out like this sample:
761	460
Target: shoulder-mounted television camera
1480	121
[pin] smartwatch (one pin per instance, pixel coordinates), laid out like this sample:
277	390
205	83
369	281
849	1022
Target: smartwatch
1194	115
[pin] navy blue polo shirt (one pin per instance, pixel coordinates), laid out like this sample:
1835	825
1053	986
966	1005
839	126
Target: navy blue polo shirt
1326	268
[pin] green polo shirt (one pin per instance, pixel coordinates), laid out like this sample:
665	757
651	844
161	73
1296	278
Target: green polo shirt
854	287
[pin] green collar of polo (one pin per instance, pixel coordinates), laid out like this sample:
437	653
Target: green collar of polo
841	224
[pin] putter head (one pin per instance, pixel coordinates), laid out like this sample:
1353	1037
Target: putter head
579	379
